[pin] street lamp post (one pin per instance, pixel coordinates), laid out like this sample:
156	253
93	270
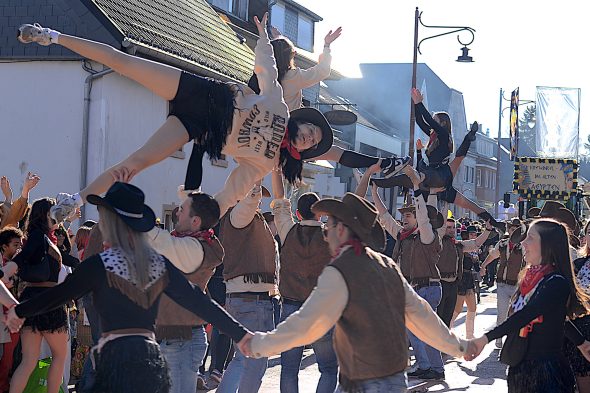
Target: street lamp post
498	155
463	58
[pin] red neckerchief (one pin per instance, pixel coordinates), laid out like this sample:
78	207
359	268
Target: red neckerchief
356	245
511	246
453	239
206	235
52	237
533	275
286	144
405	234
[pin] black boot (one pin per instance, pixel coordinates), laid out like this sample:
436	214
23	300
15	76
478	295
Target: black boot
488	217
471	134
469	137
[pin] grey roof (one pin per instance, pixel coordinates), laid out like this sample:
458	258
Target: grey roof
180	32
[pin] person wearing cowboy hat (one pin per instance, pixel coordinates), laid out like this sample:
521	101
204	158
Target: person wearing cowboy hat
127	282
250	272
345	297
450	264
466	288
304	255
194	249
511	261
560	213
417	252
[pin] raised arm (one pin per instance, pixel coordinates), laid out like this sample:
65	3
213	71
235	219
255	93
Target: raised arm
313	75
265	66
242	215
361	189
475	244
386	219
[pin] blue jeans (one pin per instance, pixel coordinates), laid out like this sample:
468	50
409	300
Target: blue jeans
184	357
397	383
325	356
426	356
245	374
86	382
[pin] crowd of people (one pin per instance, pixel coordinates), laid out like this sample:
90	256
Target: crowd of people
133	307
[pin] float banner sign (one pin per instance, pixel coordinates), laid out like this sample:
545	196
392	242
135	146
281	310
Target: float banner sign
545	178
514	124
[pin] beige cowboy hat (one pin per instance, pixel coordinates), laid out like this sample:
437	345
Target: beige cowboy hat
358	214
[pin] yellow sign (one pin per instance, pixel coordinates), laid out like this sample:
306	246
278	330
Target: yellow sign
545	178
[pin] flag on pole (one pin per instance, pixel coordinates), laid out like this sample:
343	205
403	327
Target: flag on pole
558	122
514	124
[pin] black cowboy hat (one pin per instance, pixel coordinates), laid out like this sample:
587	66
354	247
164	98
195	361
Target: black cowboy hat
358	214
436	218
315	117
127	201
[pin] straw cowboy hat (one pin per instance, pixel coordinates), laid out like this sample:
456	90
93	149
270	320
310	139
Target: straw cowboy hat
358	214
127	201
436	218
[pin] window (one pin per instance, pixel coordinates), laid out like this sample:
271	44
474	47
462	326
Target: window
169	219
471	174
478	177
238	8
305	33
291	24
486	177
466	174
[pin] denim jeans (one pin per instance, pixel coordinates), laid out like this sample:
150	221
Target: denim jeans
245	374
426	356
86	382
503	294
325	357
397	383
184	358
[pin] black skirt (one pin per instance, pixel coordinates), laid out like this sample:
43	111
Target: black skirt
55	321
579	364
132	364
467	283
541	376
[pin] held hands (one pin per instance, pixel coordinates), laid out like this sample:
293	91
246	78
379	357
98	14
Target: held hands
261	25
416	96
332	36
474	347
245	345
122	174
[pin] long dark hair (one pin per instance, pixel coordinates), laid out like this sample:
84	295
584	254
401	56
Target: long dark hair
67	245
291	166
445	122
284	53
38	215
555	250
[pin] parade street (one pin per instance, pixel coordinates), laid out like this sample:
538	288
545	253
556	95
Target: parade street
484	374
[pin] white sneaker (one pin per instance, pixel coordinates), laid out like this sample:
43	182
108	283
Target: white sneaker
64	208
35	33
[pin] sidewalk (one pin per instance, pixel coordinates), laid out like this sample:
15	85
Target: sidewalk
484	374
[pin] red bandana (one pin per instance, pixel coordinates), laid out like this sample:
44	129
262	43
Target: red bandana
206	235
533	275
286	144
510	246
405	234
356	245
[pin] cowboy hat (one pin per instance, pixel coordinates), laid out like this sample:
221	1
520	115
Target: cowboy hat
315	117
127	201
436	218
548	208
557	211
358	214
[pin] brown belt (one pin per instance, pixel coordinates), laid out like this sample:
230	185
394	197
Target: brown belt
44	284
127	331
249	295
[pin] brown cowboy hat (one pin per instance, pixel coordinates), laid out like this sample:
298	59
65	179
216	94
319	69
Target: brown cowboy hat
358	214
436	218
557	211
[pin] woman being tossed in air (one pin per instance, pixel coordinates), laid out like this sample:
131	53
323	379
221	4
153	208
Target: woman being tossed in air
438	172
220	117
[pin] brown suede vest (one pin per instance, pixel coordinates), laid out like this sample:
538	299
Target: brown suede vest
249	251
450	263
175	322
417	261
370	336
510	266
304	255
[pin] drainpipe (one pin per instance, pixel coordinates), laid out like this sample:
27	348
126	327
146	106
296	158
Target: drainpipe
86	129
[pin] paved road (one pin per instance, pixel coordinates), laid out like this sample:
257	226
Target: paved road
484	374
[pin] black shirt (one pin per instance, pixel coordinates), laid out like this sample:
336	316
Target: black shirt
546	338
428	124
33	252
117	311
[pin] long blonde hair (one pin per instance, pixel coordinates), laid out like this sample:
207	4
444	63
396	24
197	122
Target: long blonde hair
135	245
